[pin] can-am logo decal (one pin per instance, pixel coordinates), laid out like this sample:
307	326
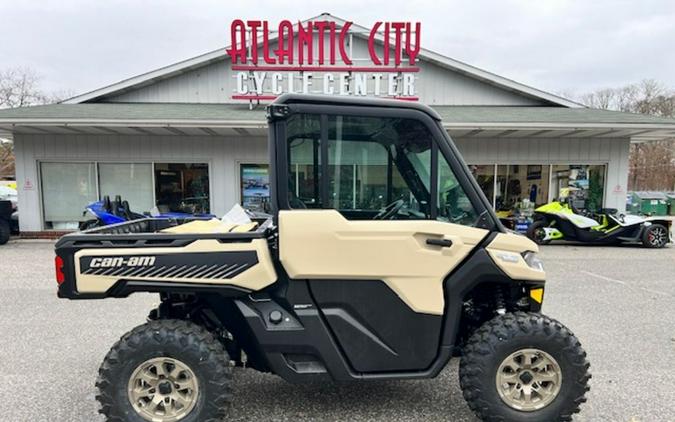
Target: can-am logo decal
132	261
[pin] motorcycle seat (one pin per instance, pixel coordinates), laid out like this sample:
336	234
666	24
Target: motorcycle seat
107	205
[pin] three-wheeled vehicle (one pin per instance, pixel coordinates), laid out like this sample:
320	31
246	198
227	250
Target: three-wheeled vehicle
382	260
559	220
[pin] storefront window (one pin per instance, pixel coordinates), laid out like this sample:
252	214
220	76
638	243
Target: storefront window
255	187
66	189
131	181
521	186
583	185
182	187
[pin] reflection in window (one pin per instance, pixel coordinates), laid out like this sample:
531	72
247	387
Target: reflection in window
131	181
66	189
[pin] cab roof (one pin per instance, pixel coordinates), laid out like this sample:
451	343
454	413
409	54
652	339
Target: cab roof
355	101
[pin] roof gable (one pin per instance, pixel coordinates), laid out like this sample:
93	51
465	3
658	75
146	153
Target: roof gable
208	79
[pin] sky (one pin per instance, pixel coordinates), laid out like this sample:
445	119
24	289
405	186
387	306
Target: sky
564	47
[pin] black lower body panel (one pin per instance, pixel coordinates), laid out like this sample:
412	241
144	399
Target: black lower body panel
376	329
301	343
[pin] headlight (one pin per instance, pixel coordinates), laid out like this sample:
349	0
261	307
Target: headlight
533	261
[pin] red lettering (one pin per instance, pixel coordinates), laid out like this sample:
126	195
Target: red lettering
343	35
237	50
285	48
398	26
266	45
371	44
320	27
305	40
331	26
254	25
412	52
386	43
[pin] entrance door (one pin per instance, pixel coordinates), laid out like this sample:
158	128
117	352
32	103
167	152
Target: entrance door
390	222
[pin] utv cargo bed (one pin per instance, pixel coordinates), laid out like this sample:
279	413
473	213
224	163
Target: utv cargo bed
117	260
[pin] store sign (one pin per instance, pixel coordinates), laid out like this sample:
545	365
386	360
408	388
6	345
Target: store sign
318	57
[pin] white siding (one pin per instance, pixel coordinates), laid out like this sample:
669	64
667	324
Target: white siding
224	153
215	83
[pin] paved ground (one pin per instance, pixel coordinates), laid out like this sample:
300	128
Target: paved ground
619	302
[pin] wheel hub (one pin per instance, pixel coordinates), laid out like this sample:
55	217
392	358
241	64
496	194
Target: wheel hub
163	390
526	377
657	236
528	380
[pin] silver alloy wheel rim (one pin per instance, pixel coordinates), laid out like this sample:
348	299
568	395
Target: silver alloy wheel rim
528	380
657	236
163	390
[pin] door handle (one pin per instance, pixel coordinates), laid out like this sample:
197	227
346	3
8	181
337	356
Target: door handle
443	243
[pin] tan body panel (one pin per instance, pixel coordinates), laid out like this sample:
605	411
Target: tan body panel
254	278
506	249
322	244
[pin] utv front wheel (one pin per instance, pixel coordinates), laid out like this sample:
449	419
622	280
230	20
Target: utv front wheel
165	371
524	367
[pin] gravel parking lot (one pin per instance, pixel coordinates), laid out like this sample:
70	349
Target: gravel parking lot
619	301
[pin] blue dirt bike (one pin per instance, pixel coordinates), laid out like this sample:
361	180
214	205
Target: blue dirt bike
106	212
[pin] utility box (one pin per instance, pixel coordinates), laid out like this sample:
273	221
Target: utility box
671	202
649	203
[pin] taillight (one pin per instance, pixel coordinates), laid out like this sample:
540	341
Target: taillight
58	263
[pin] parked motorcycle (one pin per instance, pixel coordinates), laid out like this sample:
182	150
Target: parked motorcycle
106	212
559	220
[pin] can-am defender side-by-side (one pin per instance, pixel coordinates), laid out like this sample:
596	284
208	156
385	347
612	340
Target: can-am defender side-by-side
559	220
382	260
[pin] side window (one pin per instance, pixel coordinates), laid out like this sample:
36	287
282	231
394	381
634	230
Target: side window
454	205
371	164
376	168
304	162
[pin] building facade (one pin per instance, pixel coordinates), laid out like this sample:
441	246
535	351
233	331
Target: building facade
192	136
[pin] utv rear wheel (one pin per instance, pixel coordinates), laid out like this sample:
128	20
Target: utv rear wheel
655	236
524	367
165	371
537	233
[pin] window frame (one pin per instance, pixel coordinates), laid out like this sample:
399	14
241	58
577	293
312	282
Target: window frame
442	146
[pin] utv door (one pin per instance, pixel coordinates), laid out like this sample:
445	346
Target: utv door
374	217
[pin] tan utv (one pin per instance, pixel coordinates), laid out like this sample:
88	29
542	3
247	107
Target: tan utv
381	260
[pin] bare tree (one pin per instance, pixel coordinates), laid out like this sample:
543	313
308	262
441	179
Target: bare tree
19	87
6	159
651	164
